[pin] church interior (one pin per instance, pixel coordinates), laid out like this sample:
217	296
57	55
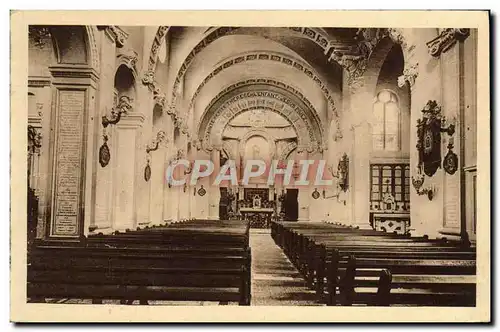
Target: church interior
391	113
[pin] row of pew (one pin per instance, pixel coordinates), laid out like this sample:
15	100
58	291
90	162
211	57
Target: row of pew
197	260
349	266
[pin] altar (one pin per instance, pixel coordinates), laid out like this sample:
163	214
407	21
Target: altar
257	208
258	217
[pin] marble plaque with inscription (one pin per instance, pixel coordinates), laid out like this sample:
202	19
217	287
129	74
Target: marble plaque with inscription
452	202
68	163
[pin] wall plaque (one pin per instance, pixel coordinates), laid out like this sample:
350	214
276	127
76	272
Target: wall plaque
68	164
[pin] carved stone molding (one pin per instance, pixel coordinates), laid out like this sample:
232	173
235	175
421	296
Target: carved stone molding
253	81
355	59
148	77
116	34
34	139
409	75
287	149
157	41
160	100
39	35
39	109
196	143
446	39
215	119
266	56
129	59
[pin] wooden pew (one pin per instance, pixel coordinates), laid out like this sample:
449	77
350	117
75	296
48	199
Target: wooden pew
431	282
131	274
311	248
188	261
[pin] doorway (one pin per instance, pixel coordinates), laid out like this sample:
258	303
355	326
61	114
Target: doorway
291	205
223	204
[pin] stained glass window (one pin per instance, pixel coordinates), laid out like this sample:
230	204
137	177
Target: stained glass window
386	122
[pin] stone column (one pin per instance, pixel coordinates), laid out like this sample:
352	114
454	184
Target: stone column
157	186
453	108
426	216
143	187
202	201
214	192
304	191
361	99
104	175
124	149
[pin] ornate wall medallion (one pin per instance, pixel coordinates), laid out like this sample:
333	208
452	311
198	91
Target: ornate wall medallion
450	162
315	194
104	154
202	191
429	138
147	172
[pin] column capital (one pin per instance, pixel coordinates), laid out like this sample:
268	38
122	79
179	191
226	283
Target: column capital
446	39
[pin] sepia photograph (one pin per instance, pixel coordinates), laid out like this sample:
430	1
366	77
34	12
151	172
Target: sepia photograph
208	165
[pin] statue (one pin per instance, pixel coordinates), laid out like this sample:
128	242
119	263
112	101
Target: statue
256	202
256	152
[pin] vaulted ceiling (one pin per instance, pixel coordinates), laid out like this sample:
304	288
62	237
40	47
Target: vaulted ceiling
298	64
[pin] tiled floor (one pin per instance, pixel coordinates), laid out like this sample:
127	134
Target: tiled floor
275	281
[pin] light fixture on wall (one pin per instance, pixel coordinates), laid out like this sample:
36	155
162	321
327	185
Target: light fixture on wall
123	107
342	176
342	173
153	146
418	180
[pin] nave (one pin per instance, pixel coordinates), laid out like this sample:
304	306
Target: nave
224	262
129	128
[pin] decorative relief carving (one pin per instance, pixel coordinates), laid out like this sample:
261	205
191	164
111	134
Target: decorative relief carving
355	59
314	34
96	63
287	149
149	75
268	56
129	59
148	79
409	75
39	35
158	40
446	39
267	100
253	81
39	109
119	36
34	140
196	143
160	99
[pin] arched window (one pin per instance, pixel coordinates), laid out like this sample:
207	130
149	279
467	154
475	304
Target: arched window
386	122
